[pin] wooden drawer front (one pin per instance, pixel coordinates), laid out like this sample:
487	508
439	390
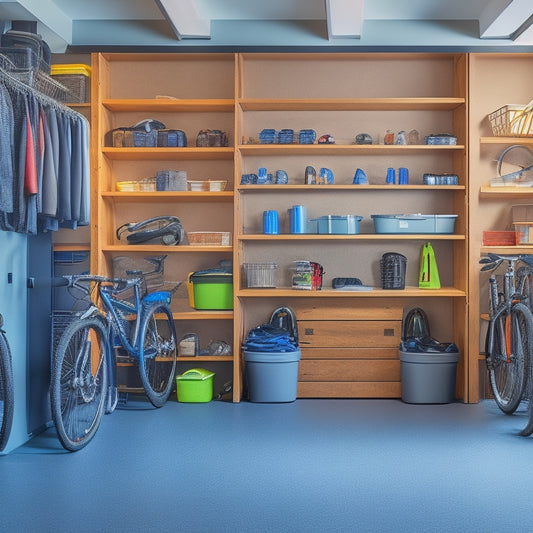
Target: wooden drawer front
345	389
345	310
346	370
350	333
350	352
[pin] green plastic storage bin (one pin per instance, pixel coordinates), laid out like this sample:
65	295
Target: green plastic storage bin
211	290
195	386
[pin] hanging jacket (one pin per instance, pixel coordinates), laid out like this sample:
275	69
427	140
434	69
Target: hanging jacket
6	151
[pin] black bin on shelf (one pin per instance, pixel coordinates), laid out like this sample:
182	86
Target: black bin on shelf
393	266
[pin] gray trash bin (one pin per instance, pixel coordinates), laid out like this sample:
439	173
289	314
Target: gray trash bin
272	376
428	377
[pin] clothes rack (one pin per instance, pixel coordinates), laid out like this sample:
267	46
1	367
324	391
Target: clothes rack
45	178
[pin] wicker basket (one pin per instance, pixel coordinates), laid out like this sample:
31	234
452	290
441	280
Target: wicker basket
209	238
512	121
76	78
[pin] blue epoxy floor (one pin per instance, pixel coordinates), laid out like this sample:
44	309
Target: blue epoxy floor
307	466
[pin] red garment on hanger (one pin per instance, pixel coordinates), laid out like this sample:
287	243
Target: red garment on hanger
30	169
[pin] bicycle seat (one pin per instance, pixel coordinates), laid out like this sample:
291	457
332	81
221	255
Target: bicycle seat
157	296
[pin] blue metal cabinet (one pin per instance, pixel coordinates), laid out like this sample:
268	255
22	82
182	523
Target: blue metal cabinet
25	302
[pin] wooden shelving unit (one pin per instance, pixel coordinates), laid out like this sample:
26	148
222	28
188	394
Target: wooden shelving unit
338	94
490	207
126	89
331	94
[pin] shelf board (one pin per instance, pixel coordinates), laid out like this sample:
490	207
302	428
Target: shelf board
342	149
212	358
508	192
169	105
202	315
348	187
288	292
154	249
71	247
349	104
164	153
519	249
356	237
506	140
171	196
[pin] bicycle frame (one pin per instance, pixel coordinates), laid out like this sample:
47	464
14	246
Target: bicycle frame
502	303
112	306
109	313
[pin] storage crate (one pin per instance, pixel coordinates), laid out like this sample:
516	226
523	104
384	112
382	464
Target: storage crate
500	238
338	224
260	275
524	232
209	290
76	78
143	184
512	120
522	213
209	238
414	224
206	185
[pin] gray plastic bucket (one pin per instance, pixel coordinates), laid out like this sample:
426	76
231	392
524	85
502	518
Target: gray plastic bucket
428	377
272	376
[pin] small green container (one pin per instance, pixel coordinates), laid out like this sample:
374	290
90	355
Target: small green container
212	291
195	386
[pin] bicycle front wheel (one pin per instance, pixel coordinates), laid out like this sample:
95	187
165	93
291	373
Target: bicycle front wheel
6	391
157	354
79	382
508	351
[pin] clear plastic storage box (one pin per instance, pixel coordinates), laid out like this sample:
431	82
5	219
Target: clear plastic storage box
260	275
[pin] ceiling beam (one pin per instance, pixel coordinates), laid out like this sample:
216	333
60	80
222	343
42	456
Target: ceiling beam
505	19
47	13
185	19
344	18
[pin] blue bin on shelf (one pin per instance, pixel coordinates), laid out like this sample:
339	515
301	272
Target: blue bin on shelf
272	376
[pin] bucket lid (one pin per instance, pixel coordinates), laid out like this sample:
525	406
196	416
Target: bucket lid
429	357
272	357
196	374
211	276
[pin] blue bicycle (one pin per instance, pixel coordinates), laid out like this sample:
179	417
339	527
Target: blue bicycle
6	388
83	382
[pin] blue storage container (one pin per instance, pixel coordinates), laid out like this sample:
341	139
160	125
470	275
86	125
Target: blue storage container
338	224
415	223
272	376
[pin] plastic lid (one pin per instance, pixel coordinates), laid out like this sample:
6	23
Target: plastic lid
429	357
272	357
196	374
70	69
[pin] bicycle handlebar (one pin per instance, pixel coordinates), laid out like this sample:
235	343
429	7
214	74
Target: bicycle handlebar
81	281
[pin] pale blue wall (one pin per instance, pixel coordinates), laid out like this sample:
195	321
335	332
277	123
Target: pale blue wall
13	306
